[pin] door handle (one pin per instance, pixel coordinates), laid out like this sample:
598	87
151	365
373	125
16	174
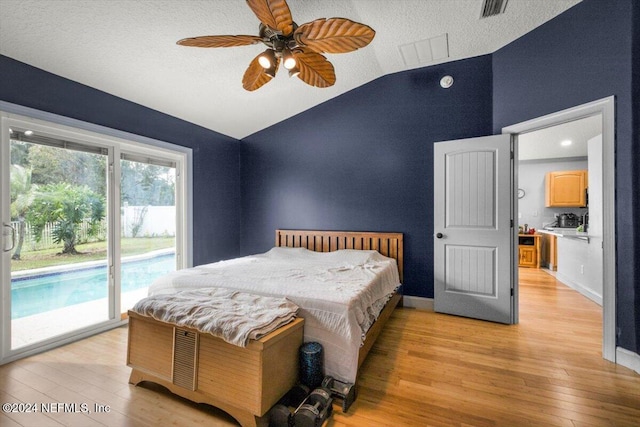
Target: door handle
13	237
439	235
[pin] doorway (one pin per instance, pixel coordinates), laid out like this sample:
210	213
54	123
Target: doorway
605	110
569	230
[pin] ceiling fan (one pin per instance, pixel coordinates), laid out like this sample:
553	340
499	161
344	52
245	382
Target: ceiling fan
300	48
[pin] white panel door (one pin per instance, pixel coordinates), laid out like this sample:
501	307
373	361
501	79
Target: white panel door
474	238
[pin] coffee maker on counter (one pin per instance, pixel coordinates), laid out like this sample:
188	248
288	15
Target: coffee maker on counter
568	220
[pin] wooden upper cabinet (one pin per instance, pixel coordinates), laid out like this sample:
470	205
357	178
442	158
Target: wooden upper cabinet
566	189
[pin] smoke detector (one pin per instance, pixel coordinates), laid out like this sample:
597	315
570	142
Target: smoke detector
446	82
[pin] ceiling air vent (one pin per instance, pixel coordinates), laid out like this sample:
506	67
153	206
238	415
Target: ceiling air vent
425	51
493	7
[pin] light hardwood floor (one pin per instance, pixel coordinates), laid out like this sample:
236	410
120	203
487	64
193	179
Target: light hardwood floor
426	369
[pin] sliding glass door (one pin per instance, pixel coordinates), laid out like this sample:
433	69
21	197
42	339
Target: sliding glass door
147	224
88	222
59	217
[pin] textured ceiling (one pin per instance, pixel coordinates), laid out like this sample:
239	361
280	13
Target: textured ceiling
547	143
128	48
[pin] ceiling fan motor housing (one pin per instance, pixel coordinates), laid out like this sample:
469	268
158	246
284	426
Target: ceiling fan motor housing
276	40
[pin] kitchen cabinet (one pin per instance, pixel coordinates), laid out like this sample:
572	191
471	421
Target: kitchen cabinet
529	250
566	189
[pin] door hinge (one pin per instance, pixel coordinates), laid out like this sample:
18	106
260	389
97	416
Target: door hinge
511	291
511	223
512	155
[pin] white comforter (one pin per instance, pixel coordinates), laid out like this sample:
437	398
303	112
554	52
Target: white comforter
340	293
233	316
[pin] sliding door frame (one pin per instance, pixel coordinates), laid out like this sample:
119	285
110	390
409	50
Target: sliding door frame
115	142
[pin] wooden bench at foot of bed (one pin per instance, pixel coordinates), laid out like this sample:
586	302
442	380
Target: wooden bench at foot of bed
244	382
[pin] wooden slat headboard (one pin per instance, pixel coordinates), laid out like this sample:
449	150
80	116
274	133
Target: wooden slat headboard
388	244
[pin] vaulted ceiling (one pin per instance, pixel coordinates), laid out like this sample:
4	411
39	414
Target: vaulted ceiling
128	48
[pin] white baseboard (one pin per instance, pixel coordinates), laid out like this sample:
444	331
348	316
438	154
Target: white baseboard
628	359
417	302
579	288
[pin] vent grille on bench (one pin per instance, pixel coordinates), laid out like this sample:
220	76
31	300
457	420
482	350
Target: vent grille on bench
184	359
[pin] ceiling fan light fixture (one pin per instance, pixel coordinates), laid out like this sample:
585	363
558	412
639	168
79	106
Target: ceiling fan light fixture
271	71
267	59
289	61
293	72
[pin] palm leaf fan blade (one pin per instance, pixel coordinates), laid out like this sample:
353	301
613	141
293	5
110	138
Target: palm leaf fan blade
315	70
255	77
219	41
334	35
275	14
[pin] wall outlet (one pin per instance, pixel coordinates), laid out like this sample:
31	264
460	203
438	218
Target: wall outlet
581	269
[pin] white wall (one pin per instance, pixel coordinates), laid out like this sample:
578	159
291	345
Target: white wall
531	178
580	264
578	269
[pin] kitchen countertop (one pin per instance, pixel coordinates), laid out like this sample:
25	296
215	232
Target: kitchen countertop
570	233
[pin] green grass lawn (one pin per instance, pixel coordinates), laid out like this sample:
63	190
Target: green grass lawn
89	252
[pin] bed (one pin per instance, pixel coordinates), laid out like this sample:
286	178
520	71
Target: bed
316	269
387	244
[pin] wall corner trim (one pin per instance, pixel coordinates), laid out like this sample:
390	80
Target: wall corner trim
628	359
419	303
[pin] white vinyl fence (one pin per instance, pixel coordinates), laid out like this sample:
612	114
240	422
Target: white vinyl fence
148	221
136	221
46	239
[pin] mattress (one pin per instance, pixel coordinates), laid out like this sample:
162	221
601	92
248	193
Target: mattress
340	293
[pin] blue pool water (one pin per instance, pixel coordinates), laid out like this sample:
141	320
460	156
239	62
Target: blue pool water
37	294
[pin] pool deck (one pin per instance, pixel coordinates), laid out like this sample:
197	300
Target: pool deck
39	327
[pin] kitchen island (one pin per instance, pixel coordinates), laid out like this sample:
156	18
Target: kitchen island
577	258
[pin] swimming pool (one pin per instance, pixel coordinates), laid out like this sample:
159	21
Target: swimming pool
44	292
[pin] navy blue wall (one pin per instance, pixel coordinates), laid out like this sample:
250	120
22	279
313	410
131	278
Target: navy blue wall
580	56
636	156
363	161
636	144
216	175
